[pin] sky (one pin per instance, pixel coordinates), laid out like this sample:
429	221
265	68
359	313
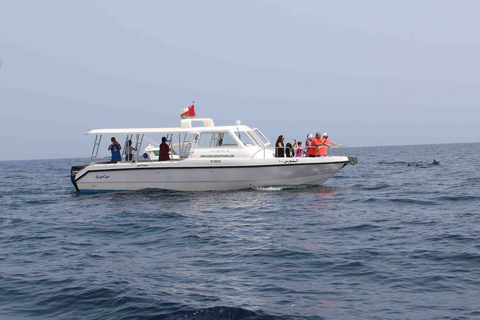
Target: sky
369	73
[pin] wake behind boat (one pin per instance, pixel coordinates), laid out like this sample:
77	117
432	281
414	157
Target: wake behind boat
205	157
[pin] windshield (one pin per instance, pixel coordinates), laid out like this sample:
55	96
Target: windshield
246	139
261	136
257	139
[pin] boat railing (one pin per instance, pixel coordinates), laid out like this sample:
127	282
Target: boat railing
331	151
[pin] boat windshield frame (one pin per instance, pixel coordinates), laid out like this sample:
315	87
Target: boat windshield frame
254	142
259	134
256	139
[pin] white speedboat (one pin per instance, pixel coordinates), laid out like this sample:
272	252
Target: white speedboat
205	157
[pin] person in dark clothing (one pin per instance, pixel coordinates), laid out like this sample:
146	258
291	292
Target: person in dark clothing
289	150
279	147
164	151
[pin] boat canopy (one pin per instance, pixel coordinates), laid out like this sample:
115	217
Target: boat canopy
186	127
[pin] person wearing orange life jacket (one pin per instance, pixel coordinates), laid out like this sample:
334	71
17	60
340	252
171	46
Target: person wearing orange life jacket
325	143
315	145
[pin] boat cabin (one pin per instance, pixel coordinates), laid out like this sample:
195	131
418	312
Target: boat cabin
196	138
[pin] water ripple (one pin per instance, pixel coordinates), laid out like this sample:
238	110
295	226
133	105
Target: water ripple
381	240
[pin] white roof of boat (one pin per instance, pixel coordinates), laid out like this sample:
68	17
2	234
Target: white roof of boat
186	128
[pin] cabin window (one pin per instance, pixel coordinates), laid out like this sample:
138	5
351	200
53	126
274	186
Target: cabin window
245	138
228	140
216	139
257	140
261	136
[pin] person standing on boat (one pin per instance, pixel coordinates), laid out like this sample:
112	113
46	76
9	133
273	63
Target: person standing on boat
314	150
130	150
279	147
164	151
115	148
308	144
297	149
322	151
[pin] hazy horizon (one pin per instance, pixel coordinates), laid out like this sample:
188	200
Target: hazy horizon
370	73
345	148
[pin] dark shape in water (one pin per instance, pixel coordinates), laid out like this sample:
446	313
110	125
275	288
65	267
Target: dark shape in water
435	162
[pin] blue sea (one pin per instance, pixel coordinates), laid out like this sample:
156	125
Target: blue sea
393	237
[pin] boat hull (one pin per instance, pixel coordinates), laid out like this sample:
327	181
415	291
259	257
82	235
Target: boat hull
201	176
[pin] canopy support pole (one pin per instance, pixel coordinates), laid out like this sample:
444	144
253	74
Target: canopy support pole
138	144
96	147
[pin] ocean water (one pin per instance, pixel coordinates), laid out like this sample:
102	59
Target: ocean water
380	240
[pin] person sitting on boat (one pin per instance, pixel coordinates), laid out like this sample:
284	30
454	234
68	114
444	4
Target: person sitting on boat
322	151
130	149
279	147
164	151
115	148
288	150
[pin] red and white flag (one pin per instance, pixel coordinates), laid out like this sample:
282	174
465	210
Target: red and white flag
188	112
